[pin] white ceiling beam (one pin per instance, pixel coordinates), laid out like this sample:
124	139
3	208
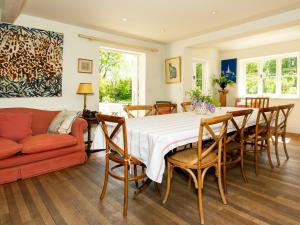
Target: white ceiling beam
252	27
10	10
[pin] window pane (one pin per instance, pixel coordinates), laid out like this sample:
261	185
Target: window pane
289	85
269	77
199	69
252	78
289	76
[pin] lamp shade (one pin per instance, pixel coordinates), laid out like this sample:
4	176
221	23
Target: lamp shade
85	88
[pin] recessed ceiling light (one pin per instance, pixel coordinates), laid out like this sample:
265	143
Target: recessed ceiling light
124	19
214	12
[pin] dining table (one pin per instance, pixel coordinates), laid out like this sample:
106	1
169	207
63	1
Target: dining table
150	138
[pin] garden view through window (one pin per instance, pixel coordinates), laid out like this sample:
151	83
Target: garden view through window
274	76
118	80
198	74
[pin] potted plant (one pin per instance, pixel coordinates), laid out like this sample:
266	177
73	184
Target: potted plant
202	103
223	81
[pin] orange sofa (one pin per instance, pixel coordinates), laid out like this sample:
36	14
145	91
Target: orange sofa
36	152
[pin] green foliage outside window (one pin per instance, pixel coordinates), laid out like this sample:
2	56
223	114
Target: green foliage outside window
268	76
114	86
199	68
252	78
289	75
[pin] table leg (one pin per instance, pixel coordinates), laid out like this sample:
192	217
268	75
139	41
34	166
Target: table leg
88	149
144	187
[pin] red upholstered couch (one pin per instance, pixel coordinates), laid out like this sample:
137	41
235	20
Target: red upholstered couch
39	152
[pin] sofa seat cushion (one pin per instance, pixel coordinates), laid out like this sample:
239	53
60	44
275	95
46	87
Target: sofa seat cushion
23	159
47	142
8	148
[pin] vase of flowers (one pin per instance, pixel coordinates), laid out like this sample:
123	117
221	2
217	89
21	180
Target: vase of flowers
202	103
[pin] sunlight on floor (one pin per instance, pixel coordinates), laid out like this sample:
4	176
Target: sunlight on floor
287	140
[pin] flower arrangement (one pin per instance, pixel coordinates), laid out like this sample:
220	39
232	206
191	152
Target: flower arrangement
201	101
223	81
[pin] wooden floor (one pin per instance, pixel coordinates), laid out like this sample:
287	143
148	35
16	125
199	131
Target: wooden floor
71	197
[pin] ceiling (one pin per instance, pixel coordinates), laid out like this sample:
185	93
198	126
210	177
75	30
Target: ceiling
281	35
157	20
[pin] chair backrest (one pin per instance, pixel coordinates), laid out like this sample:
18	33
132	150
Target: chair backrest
240	102
186	106
282	116
239	120
208	126
111	126
259	102
264	119
129	108
165	108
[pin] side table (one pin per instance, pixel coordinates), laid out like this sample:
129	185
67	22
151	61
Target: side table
90	121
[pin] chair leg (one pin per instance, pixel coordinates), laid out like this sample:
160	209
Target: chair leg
218	168
284	146
168	184
105	179
269	153
200	204
256	157
242	164
125	207
224	172
276	150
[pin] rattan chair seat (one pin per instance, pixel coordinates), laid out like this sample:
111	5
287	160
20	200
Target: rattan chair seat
189	158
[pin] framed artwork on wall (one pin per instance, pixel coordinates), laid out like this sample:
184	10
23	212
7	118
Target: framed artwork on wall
173	70
85	66
228	68
27	67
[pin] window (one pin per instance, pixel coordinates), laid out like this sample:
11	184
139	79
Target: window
199	74
274	76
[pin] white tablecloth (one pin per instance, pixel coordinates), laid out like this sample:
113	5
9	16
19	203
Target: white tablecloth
151	138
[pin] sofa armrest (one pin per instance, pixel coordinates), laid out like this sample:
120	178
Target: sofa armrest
78	127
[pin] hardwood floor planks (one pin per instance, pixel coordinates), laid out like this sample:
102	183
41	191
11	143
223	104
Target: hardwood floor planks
38	201
71	197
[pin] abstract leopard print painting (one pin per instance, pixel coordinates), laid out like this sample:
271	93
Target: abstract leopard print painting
30	62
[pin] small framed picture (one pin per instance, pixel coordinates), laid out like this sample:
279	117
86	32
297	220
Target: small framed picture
85	66
173	70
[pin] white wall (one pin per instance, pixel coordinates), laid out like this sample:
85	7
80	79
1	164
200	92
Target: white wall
286	47
212	58
177	92
74	48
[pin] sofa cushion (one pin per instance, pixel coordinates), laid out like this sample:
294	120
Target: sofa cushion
15	126
41	119
22	159
46	142
62	123
8	148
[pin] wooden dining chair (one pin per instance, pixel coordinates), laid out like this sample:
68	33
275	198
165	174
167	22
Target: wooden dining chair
280	128
258	102
261	132
165	108
148	109
240	102
201	158
119	155
186	106
234	148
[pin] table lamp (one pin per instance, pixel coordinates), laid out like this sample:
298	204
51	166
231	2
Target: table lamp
85	89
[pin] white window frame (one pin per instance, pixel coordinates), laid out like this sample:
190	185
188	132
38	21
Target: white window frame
242	77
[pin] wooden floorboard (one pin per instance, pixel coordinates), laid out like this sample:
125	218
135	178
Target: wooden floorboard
71	197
